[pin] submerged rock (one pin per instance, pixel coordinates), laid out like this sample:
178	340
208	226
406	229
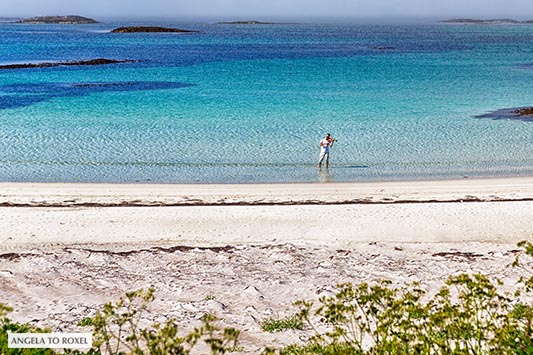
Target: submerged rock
524	111
30	94
516	113
69	20
134	29
98	61
383	48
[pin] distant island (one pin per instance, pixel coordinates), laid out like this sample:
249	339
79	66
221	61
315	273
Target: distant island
98	61
250	22
63	20
487	22
134	29
9	19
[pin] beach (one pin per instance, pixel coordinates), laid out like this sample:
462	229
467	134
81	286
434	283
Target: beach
187	163
246	252
340	215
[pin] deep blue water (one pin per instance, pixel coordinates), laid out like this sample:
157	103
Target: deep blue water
250	103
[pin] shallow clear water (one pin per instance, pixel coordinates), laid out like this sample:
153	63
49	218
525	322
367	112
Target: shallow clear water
250	103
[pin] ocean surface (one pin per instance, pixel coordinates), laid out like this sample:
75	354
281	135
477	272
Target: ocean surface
250	103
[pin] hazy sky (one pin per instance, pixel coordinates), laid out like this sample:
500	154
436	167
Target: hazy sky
266	8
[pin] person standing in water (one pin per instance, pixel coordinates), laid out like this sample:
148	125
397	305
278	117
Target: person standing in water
325	146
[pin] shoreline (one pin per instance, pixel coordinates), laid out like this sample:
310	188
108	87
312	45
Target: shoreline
333	215
29	194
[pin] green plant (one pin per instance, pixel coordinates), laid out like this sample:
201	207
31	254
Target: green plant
235	349
364	316
272	325
467	316
6	326
528	279
117	330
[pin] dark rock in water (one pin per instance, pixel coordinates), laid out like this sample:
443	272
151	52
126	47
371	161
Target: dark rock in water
121	86
98	61
135	29
516	113
383	48
69	20
525	111
250	22
96	85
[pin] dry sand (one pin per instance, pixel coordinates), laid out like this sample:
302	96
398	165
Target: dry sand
246	252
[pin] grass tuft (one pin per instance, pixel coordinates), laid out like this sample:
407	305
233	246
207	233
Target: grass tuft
272	325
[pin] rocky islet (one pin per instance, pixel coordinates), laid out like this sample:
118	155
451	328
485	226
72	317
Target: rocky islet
150	29
68	20
97	61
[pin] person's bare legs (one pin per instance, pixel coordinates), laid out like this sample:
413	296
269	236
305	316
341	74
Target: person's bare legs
322	155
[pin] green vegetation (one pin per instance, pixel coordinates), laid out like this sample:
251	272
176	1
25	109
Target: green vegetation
6	325
116	327
528	247
272	325
117	330
467	316
235	349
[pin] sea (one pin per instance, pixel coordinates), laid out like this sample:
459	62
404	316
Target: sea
250	103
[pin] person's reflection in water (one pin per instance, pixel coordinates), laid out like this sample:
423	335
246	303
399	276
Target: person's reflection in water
324	175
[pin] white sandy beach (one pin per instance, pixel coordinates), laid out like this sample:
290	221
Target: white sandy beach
246	252
335	215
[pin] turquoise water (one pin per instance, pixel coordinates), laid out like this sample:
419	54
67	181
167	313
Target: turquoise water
238	104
